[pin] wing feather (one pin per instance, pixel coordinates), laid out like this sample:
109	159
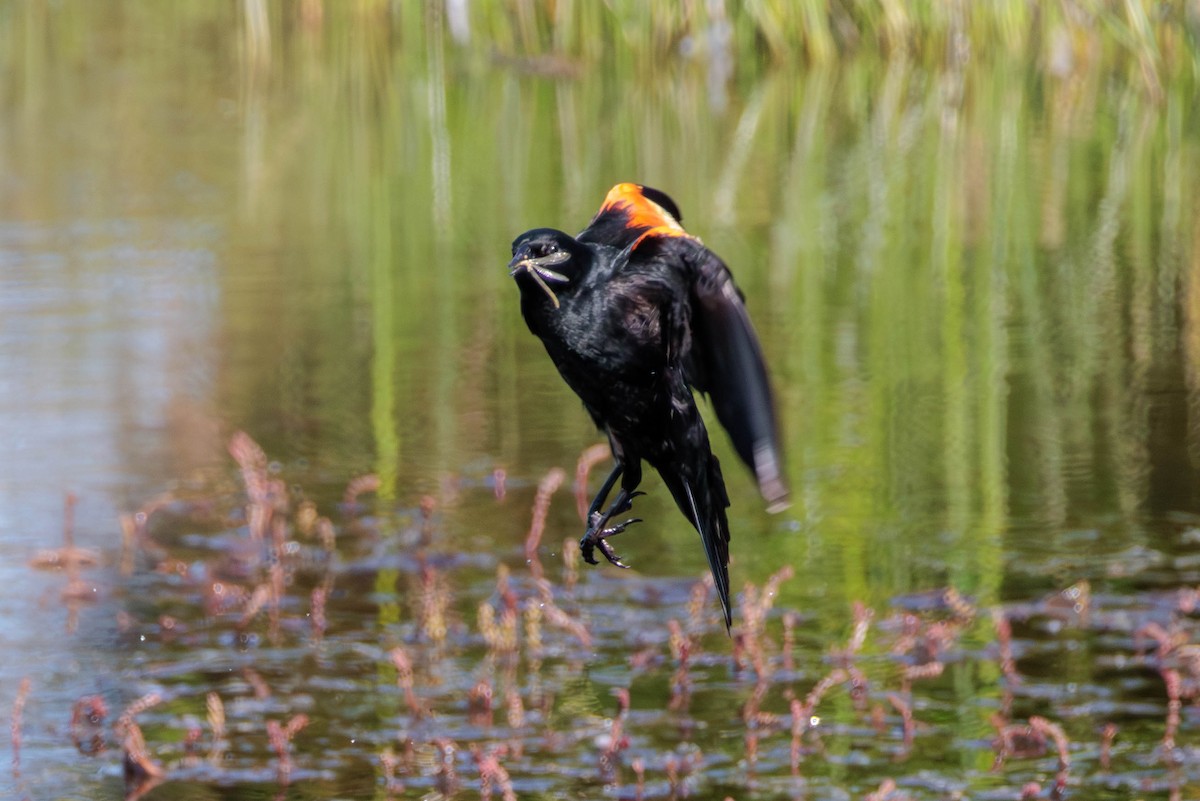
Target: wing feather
725	359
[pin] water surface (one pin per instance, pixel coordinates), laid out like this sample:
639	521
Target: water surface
974	283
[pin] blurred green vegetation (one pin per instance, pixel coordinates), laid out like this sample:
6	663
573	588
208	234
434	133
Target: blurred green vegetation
967	232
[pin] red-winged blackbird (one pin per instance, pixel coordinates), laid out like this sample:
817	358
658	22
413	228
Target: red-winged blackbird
636	313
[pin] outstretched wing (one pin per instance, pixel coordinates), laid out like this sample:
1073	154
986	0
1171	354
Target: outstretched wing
725	359
629	211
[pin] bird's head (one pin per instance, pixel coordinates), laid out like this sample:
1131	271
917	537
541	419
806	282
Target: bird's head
543	257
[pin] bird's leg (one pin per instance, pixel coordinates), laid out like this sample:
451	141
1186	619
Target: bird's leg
598	530
605	488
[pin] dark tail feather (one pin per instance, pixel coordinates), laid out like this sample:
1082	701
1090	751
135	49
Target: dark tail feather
704	505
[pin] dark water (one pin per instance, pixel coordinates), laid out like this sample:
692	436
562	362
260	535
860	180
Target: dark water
976	288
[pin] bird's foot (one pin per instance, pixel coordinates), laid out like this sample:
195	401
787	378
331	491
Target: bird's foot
598	538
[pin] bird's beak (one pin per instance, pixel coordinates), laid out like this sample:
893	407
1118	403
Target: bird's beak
540	265
539	269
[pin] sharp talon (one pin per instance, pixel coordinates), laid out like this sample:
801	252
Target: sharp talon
587	548
598	538
617	529
606	549
611	555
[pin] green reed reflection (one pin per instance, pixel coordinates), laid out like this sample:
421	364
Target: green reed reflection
965	277
966	231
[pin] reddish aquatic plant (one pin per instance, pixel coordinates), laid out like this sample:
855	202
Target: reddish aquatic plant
479	704
280	737
71	560
427	506
681	684
447	777
555	616
538	635
679	767
215	710
389	764
541	508
904	708
570	556
193	732
860	687
803	714
1008	665
830	680
589	458
16	723
799	723
260	598
1174	684
87	724
357	486
1165	641
1073	602
252	460
141	770
1107	736
514	709
257	683
326	535
790	619
404	680
862	615
533	627
492	774
885	792
639	770
960	607
433	604
698	603
147	701
1032	740
316	612
140	767
68	558
1062	748
617	741
500	483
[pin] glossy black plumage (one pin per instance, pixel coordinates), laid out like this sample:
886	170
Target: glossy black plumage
635	313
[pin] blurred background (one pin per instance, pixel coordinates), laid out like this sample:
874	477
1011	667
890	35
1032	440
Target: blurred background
967	234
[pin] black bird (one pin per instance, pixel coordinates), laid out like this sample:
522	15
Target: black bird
636	313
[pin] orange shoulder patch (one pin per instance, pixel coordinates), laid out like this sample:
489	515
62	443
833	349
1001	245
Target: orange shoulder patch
661	230
640	211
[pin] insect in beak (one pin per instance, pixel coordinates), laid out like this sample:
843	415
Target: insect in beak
539	269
